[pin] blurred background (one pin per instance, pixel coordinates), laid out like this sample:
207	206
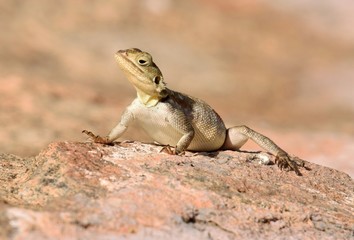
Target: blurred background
284	68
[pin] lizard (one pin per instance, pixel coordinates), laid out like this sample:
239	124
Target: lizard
175	119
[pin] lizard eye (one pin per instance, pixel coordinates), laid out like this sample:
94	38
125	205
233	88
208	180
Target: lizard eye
157	79
142	62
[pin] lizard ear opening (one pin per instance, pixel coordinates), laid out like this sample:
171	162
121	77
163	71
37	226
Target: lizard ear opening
157	80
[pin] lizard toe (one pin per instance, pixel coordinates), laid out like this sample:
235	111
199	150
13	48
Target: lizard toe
168	149
96	138
285	162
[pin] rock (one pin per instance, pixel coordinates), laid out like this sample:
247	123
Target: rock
75	190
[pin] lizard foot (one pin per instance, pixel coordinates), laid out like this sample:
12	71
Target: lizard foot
171	150
97	138
284	161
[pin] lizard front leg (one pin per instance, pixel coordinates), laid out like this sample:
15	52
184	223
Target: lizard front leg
238	136
181	123
116	132
184	142
181	145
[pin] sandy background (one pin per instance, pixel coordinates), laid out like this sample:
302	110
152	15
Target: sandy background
284	68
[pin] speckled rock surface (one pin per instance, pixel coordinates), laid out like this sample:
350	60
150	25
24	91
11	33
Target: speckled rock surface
75	190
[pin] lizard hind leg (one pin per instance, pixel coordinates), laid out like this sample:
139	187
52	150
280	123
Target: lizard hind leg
237	136
234	139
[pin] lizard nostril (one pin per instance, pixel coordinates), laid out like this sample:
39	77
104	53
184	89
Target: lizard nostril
122	52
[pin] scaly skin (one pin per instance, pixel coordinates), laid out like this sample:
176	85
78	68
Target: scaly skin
176	119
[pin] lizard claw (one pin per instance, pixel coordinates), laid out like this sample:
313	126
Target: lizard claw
171	150
168	149
284	161
97	138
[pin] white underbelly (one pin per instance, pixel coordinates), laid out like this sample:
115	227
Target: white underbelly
165	134
157	123
161	132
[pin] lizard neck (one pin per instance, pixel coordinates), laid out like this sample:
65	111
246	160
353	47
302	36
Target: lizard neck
147	100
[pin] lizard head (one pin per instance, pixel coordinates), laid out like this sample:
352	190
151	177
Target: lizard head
143	73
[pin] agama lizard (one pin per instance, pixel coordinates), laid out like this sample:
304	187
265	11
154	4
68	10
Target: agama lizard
175	119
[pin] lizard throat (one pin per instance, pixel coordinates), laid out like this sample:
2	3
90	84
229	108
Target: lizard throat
146	99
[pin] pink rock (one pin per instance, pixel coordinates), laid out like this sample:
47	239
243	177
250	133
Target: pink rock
77	190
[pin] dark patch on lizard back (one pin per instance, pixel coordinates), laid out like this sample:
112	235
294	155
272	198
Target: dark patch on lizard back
180	101
192	107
